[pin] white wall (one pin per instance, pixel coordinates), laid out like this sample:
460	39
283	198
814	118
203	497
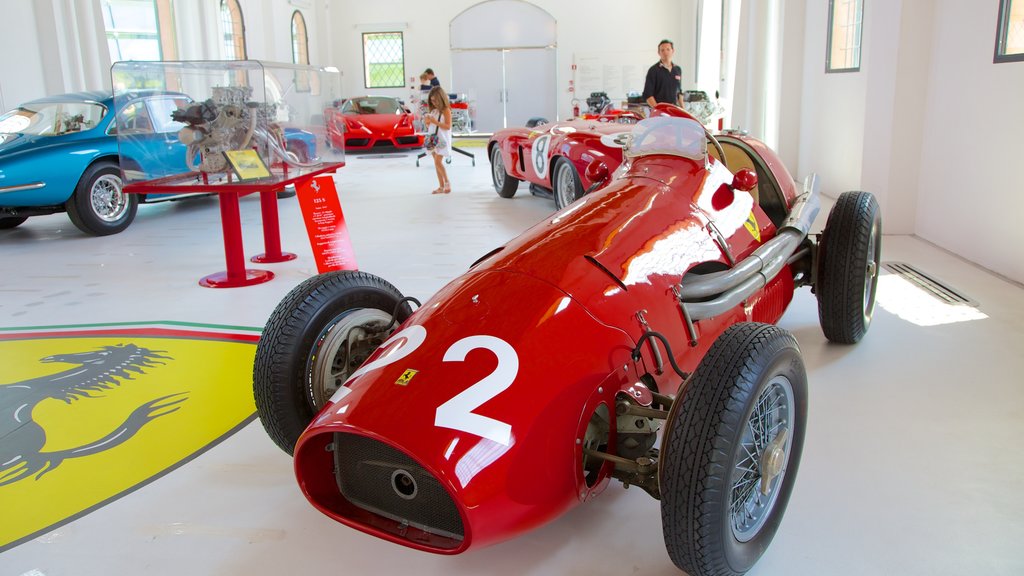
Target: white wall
595	26
972	202
21	78
929	125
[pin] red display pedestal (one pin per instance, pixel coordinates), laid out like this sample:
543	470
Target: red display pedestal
228	191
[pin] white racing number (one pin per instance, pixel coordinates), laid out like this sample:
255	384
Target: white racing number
411	339
457	413
539	155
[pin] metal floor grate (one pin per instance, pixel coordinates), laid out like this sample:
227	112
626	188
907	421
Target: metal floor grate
943	292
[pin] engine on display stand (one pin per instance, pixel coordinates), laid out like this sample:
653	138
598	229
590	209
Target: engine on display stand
231	120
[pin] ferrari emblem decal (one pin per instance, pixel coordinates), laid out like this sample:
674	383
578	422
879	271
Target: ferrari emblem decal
751	226
109	408
406	376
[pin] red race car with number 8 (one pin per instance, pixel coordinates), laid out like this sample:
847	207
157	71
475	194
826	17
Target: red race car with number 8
553	157
629	337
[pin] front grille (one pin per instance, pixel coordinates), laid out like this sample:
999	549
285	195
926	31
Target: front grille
406	139
381	144
357	141
387	482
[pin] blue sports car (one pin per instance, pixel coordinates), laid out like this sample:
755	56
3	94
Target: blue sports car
60	154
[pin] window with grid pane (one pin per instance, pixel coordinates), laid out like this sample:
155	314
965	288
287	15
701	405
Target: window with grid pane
845	27
383	60
232	29
300	43
1010	31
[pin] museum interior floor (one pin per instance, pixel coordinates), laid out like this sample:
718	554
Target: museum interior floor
912	463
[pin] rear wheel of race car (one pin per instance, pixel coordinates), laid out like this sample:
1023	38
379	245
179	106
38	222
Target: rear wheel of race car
732	449
504	183
568	187
849	255
7	222
99	206
315	338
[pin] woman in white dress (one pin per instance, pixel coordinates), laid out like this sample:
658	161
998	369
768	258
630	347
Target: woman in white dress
439	122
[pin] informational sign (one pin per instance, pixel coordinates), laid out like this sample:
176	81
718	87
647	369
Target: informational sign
247	164
615	73
325	224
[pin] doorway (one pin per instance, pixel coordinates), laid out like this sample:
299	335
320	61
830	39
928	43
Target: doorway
508	75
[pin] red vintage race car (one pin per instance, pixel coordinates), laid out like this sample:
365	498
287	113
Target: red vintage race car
630	337
369	122
553	157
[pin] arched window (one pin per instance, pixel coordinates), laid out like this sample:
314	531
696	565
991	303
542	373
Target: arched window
232	27
300	41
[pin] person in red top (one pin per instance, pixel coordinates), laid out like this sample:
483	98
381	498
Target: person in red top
664	79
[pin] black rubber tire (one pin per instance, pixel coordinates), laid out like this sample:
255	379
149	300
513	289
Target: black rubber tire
849	253
8	222
536	121
505	185
561	201
282	370
702	448
82	210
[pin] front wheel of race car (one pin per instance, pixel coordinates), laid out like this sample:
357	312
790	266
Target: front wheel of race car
849	255
315	338
504	184
568	187
732	449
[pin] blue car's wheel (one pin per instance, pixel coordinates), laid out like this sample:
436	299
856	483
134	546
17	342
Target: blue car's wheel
99	206
11	222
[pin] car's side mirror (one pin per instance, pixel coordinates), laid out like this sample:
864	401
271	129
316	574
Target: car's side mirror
745	180
597	171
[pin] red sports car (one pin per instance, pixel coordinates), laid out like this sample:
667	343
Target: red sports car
553	157
370	122
629	337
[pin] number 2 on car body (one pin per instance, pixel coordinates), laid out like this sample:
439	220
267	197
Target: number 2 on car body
457	413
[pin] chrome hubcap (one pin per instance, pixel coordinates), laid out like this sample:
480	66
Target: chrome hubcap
761	466
566	184
498	168
108	202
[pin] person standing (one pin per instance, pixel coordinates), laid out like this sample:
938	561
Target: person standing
439	115
663	83
433	79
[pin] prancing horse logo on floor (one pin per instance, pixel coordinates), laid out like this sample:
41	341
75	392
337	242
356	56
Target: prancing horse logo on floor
91	413
21	452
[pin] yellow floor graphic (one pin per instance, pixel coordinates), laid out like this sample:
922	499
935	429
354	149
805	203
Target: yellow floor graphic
91	413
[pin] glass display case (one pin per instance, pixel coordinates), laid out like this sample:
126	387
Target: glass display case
229	128
211	123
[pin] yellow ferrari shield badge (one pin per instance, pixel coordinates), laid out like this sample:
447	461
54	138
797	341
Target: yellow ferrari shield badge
406	376
88	414
751	226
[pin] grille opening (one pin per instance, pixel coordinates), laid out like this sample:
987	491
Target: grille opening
929	284
388	483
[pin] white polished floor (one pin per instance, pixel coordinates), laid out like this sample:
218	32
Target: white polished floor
912	466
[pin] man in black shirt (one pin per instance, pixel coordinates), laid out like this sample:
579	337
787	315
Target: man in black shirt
663	79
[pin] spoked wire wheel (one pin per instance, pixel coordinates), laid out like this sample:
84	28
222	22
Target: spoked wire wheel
761	469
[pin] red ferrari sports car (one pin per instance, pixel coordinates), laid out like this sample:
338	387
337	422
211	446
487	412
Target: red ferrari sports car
370	122
630	337
553	157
